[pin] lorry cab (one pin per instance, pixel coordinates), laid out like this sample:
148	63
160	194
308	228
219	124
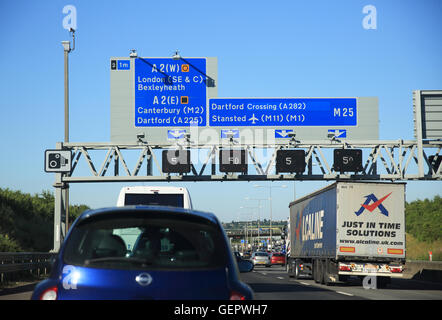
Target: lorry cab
158	196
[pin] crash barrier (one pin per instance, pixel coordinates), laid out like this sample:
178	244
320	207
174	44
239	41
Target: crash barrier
423	270
16	265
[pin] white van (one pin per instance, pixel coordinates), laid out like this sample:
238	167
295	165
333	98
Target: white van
148	195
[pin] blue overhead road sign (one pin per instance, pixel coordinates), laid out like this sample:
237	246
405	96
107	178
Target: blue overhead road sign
262	112
170	93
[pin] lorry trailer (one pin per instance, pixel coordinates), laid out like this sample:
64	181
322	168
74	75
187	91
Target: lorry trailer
348	229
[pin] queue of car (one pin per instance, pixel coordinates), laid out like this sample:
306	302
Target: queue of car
264	258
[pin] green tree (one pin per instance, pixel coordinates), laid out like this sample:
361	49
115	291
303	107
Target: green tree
8	245
424	219
26	221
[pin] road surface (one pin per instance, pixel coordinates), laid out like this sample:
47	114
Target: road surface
274	284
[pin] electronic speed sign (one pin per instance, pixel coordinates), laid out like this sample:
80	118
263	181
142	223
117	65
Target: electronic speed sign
233	160
347	160
176	161
290	161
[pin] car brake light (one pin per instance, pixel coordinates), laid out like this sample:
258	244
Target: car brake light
49	294
234	295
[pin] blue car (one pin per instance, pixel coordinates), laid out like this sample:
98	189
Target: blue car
145	252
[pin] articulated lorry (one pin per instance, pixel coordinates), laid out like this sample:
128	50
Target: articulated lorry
348	229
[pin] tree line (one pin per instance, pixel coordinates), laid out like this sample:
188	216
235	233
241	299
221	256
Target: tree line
27	221
423	219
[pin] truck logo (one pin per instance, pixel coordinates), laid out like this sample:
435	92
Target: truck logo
376	204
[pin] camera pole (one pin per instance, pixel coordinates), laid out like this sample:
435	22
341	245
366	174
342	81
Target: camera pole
67	50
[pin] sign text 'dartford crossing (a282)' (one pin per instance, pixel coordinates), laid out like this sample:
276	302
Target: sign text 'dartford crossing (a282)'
283	112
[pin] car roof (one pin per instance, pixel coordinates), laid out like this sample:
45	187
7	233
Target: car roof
146	208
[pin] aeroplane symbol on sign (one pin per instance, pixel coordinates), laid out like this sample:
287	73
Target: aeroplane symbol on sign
254	119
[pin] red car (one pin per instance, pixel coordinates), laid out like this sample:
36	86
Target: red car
277	258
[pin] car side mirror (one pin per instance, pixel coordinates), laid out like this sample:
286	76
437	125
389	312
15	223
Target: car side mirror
244	265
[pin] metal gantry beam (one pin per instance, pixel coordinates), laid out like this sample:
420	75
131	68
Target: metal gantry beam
382	160
395	160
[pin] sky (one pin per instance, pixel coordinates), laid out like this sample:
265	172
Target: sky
264	49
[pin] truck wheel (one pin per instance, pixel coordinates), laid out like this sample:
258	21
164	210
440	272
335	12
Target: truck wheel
297	270
289	269
325	277
316	270
321	272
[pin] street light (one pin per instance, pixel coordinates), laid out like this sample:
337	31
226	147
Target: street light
67	49
270	189
251	223
259	213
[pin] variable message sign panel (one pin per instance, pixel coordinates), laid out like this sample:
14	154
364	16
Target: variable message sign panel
347	160
233	160
290	161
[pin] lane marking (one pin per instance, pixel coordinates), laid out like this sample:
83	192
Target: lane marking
282	278
345	293
304	283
